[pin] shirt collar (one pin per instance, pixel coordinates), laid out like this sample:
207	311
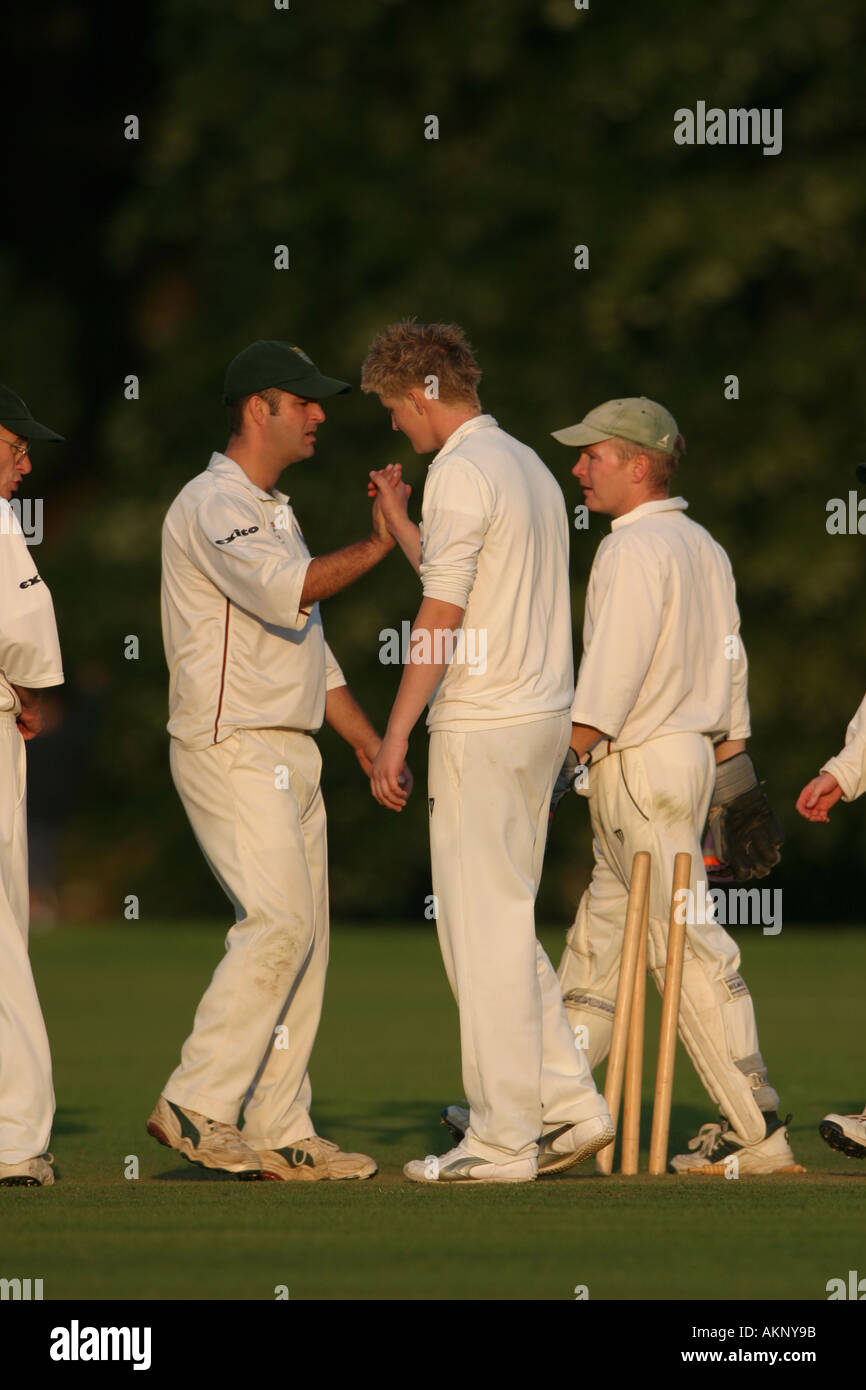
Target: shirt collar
478	422
662	504
225	467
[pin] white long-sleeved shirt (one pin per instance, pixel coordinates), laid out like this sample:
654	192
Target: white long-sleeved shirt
849	766
494	541
662	651
29	645
241	651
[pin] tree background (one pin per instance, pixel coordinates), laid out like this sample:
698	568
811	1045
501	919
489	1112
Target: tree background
305	127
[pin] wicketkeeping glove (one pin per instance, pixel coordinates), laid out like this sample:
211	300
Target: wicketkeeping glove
745	831
565	781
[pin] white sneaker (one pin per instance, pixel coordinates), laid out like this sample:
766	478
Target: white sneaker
458	1165
847	1133
717	1150
570	1144
30	1172
209	1143
314	1160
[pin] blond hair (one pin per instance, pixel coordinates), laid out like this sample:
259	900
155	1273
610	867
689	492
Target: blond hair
662	466
404	355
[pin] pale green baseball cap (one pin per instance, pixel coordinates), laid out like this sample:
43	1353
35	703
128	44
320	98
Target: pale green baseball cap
635	418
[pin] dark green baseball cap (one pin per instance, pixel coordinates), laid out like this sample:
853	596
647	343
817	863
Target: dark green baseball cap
634	417
17	418
271	363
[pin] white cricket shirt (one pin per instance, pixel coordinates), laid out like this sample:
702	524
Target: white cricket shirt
662	652
241	652
29	646
849	766
494	541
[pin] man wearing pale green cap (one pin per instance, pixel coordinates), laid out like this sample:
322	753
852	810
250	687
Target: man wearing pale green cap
251	681
29	662
660	719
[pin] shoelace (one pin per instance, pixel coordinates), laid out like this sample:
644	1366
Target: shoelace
707	1138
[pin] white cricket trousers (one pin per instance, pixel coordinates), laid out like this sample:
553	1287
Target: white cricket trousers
255	806
26	1089
489	794
656	798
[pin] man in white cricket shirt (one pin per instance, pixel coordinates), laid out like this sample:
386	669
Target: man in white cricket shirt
251	680
492	555
842	778
29	661
661	711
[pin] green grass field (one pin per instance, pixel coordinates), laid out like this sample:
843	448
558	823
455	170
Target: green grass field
119	1001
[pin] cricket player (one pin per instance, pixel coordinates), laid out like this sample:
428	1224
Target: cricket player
660	718
29	662
251	679
492	555
842	778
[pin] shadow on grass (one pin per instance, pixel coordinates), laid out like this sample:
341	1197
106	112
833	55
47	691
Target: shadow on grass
191	1173
388	1123
68	1122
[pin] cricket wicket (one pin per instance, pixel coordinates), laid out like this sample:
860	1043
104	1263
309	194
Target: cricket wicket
625	1060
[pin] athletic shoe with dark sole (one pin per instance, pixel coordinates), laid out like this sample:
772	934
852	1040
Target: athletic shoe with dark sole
716	1151
314	1160
209	1143
845	1133
30	1172
460	1166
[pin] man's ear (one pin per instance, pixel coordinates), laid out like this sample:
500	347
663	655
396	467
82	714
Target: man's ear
640	467
417	399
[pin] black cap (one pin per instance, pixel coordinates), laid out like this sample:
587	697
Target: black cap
270	363
17	418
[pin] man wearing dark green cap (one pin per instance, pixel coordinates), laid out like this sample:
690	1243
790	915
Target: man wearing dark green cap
660	717
251	680
29	661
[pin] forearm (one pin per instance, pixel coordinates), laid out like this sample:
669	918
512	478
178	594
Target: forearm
584	737
328	574
28	697
408	537
728	748
345	716
420	678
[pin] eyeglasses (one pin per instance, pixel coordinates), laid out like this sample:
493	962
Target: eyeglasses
19	450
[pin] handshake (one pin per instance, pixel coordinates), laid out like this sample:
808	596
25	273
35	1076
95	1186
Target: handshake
390	497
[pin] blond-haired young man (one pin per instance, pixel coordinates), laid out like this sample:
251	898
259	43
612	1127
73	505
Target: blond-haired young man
493	560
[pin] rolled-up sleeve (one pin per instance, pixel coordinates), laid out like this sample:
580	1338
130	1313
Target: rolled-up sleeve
455	516
622	623
740	724
333	675
849	766
247	562
29	645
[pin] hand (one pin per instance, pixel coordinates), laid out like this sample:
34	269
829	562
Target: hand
818	797
366	755
390	778
391	495
380	532
29	720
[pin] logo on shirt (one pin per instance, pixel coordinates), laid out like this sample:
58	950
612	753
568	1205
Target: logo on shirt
28	583
227	540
